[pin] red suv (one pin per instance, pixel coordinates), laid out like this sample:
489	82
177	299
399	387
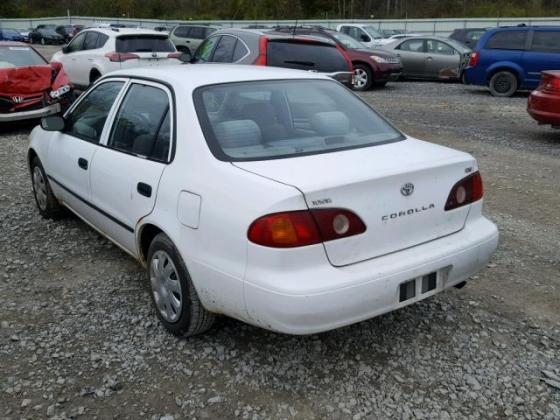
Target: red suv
371	67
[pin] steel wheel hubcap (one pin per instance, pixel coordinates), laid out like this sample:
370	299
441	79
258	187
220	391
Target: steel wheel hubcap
360	77
166	286
503	84
40	188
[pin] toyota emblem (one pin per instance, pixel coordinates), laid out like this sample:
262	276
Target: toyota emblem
407	189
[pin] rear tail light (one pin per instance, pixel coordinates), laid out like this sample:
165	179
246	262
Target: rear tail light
466	191
305	227
174	55
346	57
263	46
550	84
475	56
120	57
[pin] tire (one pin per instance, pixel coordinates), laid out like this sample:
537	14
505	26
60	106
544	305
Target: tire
503	84
43	42
48	205
94	75
363	77
173	294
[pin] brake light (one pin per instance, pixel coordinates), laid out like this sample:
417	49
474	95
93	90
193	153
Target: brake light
466	191
475	56
263	46
305	227
174	55
120	57
550	84
346	57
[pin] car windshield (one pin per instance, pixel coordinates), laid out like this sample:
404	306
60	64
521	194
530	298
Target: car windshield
19	57
9	32
261	120
347	40
373	32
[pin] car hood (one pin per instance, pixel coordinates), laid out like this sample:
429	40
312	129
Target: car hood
31	79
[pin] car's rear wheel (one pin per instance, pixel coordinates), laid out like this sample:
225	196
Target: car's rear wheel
363	77
94	75
46	202
43	42
173	294
503	84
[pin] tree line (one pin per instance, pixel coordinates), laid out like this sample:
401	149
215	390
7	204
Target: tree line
280	9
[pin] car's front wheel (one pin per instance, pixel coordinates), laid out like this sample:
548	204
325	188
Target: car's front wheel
173	294
46	202
363	77
503	84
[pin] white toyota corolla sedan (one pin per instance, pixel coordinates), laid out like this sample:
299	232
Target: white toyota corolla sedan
273	196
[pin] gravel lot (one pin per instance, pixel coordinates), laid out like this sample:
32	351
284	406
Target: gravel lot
78	337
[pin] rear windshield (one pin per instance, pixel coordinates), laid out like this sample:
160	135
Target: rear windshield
144	43
305	56
261	120
19	57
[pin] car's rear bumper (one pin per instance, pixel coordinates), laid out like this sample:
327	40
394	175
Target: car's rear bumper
365	289
544	108
29	115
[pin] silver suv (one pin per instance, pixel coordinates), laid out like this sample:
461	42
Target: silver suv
187	38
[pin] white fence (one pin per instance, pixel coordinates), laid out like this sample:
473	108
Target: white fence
431	26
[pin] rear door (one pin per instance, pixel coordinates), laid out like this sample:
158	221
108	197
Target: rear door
126	172
413	57
442	60
71	60
543	54
149	50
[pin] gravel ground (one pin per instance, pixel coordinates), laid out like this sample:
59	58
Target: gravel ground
78	337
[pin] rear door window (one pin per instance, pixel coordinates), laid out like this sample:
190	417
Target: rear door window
77	43
90	42
507	40
546	41
144	43
438	47
224	50
101	40
305	56
142	126
240	51
204	52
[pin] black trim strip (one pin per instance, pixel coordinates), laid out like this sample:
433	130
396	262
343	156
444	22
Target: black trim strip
93	206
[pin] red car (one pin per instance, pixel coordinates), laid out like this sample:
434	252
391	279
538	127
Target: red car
30	87
371	67
544	102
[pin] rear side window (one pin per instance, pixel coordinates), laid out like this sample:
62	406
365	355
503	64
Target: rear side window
88	119
546	41
507	40
240	51
305	56
144	43
142	125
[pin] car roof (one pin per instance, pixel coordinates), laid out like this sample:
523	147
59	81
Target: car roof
272	34
115	32
188	77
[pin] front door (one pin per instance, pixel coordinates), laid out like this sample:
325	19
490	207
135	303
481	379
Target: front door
413	57
125	173
71	152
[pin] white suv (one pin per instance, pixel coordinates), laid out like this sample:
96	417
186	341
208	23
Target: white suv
97	51
274	196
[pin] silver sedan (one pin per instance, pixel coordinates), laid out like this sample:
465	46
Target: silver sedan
430	57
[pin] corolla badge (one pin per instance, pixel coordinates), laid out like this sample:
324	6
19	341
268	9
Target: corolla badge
407	189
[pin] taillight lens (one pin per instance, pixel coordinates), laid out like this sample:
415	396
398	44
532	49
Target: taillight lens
263	46
120	57
174	55
550	84
305	227
466	191
475	56
346	57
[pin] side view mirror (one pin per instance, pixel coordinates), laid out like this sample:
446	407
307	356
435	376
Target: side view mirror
185	57
364	38
53	123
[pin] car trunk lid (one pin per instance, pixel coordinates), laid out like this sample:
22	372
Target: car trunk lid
399	190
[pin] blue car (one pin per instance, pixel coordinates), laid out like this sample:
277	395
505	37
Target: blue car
508	59
7	34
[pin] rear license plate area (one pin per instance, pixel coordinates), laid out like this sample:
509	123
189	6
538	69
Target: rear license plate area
418	288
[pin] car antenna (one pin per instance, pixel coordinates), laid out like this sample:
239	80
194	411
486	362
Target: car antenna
294	30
